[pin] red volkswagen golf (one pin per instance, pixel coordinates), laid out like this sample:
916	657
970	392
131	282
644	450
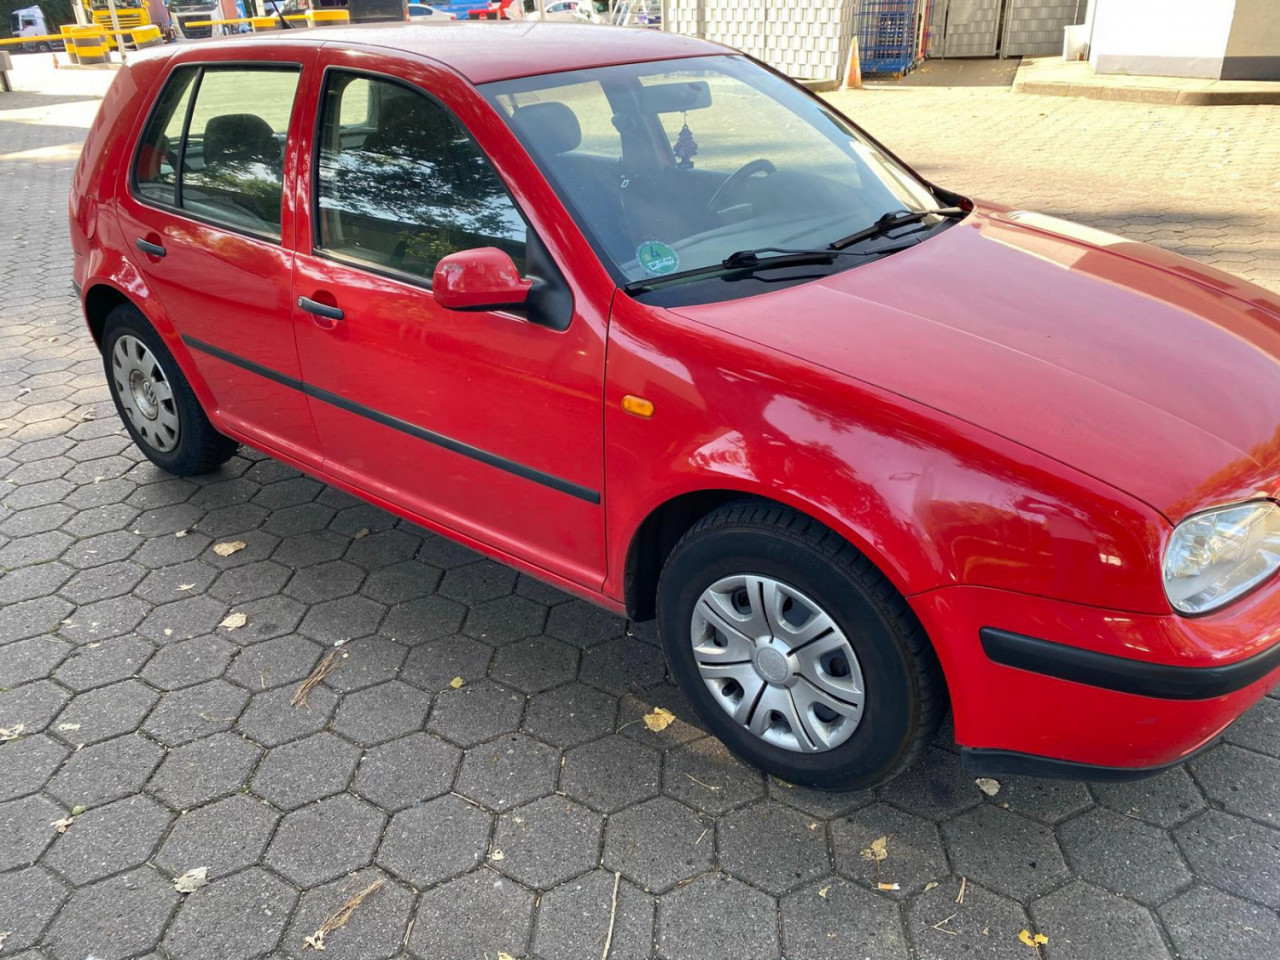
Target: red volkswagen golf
641	317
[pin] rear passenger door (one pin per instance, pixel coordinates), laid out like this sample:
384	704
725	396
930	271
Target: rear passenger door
207	225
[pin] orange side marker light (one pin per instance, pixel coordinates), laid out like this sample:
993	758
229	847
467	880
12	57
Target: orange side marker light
638	406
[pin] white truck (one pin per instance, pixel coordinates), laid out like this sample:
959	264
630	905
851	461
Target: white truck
30	22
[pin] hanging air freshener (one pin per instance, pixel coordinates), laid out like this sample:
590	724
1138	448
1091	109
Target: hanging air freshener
685	147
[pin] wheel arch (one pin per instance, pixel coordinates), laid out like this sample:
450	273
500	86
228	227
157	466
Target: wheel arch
99	300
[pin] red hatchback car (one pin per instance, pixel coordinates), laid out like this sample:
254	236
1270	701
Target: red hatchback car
640	316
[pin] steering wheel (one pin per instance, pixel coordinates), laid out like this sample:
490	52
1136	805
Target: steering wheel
759	165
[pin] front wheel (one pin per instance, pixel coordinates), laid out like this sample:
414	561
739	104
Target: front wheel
796	651
154	400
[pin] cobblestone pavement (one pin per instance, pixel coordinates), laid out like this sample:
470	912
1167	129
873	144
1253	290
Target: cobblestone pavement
501	814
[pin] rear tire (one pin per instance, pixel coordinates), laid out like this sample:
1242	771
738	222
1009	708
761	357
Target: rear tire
154	400
849	691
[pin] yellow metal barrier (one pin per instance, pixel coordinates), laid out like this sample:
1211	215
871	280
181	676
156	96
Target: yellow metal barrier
89	44
17	41
147	36
66	41
264	24
329	17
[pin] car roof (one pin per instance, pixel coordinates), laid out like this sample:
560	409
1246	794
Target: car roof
488	51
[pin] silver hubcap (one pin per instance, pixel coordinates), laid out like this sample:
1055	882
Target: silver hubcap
777	663
143	388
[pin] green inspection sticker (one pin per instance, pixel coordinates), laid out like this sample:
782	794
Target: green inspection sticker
656	257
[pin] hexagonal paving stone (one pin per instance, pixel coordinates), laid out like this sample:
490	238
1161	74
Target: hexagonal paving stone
547	842
240	916
271	719
99	664
182	619
935	787
441	551
436	840
1164	800
570	715
915	854
1124	856
117	918
194	712
659	843
1207	924
370	551
269	618
535	665
1049	801
432	666
250	582
176	581
307	549
477	582
505	620
367	662
1083	922
325	840
837	920
274	663
375	931
325	581
824	804
31	618
34	705
107	581
204	770
105	712
575	918
381	713
32	897
1005	852
716	915
407	771
611	773
1241	780
305	771
584	624
985	926
623	665
1235	854
343	619
475	713
24	829
635	706
189	662
109	839
224	836
508	771
30	583
773	847
401	582
103	772
419	621
1259	729
707	777
482	912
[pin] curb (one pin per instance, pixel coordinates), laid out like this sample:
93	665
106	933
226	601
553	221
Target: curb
1158	95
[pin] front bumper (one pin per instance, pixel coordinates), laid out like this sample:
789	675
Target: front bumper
1058	689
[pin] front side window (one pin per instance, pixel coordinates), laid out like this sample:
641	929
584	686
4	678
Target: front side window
220	158
673	166
400	184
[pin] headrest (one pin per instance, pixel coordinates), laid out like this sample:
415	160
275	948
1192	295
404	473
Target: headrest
550	128
239	137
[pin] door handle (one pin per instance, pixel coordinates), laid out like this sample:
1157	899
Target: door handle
320	309
146	246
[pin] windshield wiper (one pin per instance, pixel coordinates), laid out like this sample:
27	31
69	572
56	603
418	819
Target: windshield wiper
894	219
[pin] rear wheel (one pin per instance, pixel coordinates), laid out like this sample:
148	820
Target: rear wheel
796	651
154	400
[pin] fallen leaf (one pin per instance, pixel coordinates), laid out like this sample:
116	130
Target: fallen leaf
456	683
192	880
4	935
181	533
361	534
11	733
78	809
186	586
988	786
658	719
68	726
497	856
888	886
234	621
503	955
824	891
1032	941
878	850
61	825
229	547
930	885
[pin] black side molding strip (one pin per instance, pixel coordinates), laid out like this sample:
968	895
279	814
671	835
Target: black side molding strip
395	423
986	762
1122	674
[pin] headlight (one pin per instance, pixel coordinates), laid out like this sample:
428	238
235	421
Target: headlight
1216	556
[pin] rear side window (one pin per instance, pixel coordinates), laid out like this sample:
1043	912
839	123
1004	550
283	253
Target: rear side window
215	145
400	184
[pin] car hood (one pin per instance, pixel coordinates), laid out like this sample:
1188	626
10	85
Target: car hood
1143	369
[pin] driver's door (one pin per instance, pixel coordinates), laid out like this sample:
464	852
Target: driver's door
484	422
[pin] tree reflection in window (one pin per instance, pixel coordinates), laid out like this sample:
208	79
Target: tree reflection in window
401	184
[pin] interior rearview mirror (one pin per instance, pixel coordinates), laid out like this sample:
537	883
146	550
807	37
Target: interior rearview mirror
484	278
675	97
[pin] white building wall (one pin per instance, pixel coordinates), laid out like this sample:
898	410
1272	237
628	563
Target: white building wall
1176	38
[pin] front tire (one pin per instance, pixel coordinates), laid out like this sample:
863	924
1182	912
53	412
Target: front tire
796	651
154	400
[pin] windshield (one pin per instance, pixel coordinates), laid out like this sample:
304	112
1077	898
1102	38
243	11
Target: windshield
672	166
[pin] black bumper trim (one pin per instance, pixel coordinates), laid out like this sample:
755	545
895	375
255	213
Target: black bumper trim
1122	674
76	287
985	762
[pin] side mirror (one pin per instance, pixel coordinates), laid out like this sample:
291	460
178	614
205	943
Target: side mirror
485	278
